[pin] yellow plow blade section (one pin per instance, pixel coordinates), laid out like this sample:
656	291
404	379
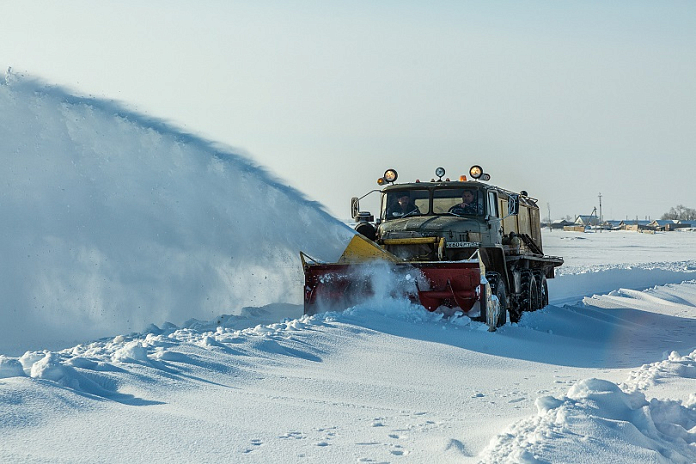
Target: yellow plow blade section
360	250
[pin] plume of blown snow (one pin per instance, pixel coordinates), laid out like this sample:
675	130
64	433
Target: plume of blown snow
113	220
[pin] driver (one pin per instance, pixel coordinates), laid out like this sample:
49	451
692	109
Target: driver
468	204
403	207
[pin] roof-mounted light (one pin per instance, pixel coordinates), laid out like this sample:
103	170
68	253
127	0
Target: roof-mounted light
439	172
390	175
476	172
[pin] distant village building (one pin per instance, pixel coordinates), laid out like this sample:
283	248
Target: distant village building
614	225
663	225
672	224
560	224
591	220
636	225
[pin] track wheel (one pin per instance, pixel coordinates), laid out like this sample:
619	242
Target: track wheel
496	308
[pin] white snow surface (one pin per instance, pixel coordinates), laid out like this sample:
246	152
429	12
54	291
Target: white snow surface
121	236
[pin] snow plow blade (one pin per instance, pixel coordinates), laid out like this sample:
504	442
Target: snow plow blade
359	274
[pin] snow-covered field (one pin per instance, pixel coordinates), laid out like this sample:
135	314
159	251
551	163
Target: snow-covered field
117	221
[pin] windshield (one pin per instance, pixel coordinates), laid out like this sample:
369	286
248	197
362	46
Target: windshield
458	202
404	203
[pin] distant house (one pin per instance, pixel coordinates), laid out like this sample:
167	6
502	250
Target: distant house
686	226
613	225
681	224
560	224
591	220
663	225
581	223
637	226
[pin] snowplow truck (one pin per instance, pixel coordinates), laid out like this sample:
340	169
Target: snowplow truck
462	245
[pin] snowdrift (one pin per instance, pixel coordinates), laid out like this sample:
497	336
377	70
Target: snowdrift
373	383
600	421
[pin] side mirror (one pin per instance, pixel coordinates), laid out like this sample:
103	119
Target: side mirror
354	206
513	205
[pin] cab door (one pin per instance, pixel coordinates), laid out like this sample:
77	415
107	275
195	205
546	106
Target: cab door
509	222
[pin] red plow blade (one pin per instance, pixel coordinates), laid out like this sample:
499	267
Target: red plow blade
335	287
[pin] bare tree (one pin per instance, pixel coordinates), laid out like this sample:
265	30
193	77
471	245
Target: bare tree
680	212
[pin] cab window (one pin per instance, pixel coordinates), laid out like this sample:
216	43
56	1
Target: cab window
404	203
458	202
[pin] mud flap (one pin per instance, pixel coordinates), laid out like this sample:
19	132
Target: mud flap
491	308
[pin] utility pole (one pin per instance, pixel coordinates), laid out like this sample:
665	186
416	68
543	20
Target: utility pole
600	208
548	206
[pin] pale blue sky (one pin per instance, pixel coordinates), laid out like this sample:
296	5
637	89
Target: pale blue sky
563	99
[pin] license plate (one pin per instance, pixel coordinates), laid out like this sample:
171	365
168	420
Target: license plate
462	244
